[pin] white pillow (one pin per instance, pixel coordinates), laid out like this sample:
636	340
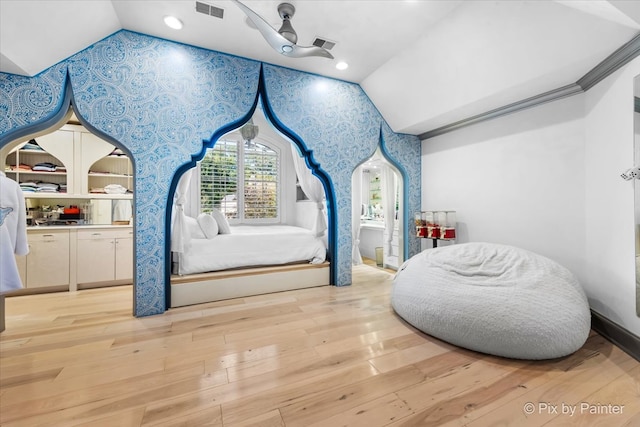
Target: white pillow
195	232
208	225
223	224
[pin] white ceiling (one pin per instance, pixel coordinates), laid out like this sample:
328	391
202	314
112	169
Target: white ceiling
424	64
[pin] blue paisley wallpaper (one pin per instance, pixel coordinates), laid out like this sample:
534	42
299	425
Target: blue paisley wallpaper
164	102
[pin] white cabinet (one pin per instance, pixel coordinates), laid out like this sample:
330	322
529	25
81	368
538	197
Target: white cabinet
124	257
104	255
47	263
76	257
391	258
95	257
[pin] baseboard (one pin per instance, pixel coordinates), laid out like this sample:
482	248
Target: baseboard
626	340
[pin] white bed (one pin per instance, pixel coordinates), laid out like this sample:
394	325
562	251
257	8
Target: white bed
251	246
248	260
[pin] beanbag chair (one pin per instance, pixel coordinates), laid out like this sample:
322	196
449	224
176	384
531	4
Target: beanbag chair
494	299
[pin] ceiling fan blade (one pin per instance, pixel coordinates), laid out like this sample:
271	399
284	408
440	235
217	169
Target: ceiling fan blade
279	42
304	51
271	35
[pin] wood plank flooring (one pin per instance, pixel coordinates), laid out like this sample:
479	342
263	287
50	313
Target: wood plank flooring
315	357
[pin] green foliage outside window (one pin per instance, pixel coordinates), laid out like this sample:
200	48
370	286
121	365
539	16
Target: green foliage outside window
220	180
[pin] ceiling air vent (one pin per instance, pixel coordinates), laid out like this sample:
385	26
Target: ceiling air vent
209	9
326	44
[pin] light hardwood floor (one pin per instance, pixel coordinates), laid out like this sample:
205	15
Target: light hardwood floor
322	356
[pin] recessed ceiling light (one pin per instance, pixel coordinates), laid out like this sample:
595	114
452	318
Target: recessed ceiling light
173	22
342	65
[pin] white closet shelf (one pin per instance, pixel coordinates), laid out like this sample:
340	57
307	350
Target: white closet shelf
109	175
78	196
26	172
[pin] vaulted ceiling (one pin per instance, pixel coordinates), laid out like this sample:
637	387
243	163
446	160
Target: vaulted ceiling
423	63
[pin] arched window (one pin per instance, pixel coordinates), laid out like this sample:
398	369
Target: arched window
242	180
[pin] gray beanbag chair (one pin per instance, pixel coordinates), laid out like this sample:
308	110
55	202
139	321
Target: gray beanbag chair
494	299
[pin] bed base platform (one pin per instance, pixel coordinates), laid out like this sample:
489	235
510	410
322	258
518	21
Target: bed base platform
221	285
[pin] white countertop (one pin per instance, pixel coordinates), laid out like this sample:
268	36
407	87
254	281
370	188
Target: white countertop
68	227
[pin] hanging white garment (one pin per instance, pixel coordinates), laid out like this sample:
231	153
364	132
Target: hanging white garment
122	210
313	188
180	236
356	213
390	193
13	233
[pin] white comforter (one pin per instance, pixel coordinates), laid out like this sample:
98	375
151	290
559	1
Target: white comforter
252	245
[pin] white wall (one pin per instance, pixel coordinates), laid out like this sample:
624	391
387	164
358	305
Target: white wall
548	180
610	238
515	180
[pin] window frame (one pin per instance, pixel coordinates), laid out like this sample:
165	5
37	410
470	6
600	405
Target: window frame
241	219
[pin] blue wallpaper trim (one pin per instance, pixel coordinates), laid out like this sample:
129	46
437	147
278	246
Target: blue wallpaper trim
164	102
316	170
161	100
339	125
404	221
206	144
32	104
405	150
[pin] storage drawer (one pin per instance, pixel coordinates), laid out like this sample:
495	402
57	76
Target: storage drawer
48	236
104	233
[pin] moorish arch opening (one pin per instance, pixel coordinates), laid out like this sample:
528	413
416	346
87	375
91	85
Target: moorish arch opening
78	185
256	178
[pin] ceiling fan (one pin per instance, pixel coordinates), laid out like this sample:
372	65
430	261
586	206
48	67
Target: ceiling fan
283	40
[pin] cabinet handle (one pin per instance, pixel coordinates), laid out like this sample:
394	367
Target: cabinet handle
47	235
96	234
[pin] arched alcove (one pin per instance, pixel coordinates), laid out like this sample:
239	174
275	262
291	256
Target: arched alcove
260	106
371	225
70	146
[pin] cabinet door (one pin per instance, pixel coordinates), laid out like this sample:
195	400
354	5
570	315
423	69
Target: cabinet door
124	258
48	259
96	257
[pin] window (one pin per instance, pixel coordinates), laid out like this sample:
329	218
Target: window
258	180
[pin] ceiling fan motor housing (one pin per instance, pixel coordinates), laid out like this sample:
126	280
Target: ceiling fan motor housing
286	12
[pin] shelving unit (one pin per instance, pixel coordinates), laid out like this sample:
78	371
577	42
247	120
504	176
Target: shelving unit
99	167
61	156
64	251
375	190
88	161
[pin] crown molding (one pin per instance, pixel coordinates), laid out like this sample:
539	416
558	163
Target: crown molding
617	59
543	98
613	62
